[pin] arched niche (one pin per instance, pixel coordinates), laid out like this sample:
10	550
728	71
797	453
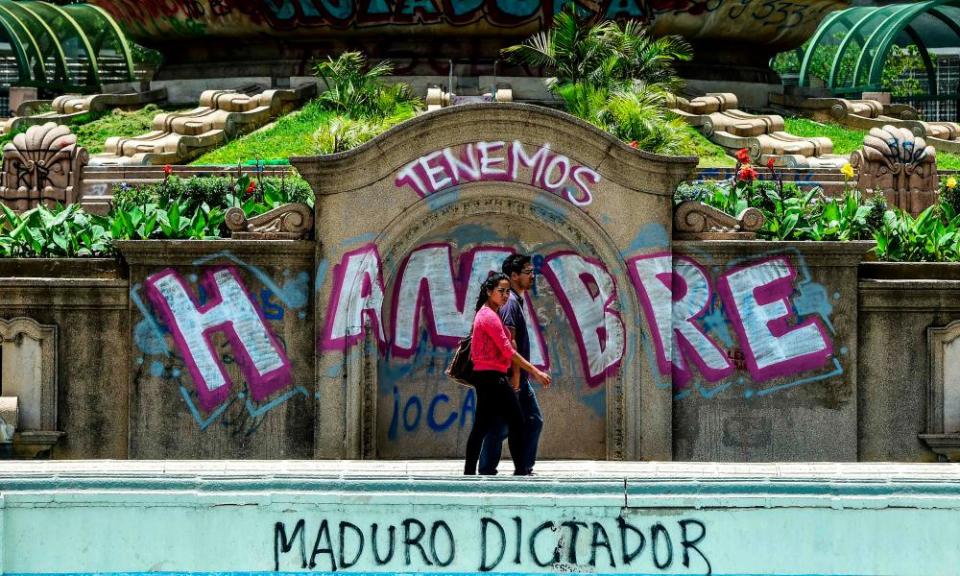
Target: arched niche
416	194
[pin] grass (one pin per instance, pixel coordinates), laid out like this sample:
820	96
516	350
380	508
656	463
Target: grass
93	135
711	155
847	140
291	135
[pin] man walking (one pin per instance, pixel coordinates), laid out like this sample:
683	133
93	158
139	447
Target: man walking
520	270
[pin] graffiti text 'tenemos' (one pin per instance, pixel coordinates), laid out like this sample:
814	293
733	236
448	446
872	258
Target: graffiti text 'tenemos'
502	162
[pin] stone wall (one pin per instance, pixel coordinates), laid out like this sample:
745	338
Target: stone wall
411	223
899	304
335	347
255	287
86	300
782	378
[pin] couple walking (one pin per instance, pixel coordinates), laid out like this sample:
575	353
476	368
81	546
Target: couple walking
500	351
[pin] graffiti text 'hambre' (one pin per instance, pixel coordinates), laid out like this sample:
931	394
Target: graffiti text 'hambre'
500	161
674	291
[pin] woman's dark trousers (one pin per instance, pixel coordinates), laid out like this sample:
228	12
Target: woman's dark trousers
496	402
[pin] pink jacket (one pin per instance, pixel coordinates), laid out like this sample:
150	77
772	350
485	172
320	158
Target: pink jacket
490	348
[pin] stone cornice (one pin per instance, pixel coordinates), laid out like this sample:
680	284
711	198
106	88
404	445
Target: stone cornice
534	125
174	252
816	254
54	293
656	484
61	268
924	296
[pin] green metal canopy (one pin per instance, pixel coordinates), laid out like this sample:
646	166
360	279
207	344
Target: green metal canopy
67	48
860	38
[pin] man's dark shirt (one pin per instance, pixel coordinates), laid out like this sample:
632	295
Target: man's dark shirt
512	315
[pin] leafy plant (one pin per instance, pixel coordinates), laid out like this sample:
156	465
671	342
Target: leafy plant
577	49
613	77
215	191
933	236
357	89
343	133
57	232
792	213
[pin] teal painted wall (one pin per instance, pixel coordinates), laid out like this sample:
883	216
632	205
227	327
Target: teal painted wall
638	519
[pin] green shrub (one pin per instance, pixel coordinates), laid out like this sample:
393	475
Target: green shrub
215	191
343	133
933	236
176	209
613	76
950	193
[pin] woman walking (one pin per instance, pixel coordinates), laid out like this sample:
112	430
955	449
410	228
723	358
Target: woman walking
493	354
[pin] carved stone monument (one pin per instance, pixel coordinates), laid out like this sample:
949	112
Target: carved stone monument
900	165
42	165
288	222
943	392
698	221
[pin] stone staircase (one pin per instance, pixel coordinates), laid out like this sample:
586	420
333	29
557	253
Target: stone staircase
717	117
178	137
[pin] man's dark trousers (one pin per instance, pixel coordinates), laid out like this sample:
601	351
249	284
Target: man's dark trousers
533	424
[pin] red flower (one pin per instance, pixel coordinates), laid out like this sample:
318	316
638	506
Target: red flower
743	156
747	174
771	162
251	187
167	170
634	144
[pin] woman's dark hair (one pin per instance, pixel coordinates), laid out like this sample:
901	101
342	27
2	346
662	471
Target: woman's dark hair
486	286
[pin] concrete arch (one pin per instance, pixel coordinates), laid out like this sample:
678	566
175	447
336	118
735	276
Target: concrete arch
515	166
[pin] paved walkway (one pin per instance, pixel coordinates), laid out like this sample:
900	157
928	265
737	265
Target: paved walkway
545	471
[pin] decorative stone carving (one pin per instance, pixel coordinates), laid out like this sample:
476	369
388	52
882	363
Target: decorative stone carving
9	418
900	165
697	221
866	114
438	98
42	165
29	373
716	117
287	222
70	106
943	392
181	136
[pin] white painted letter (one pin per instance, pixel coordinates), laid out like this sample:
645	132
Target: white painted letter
357	292
587	293
228	309
674	292
756	298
